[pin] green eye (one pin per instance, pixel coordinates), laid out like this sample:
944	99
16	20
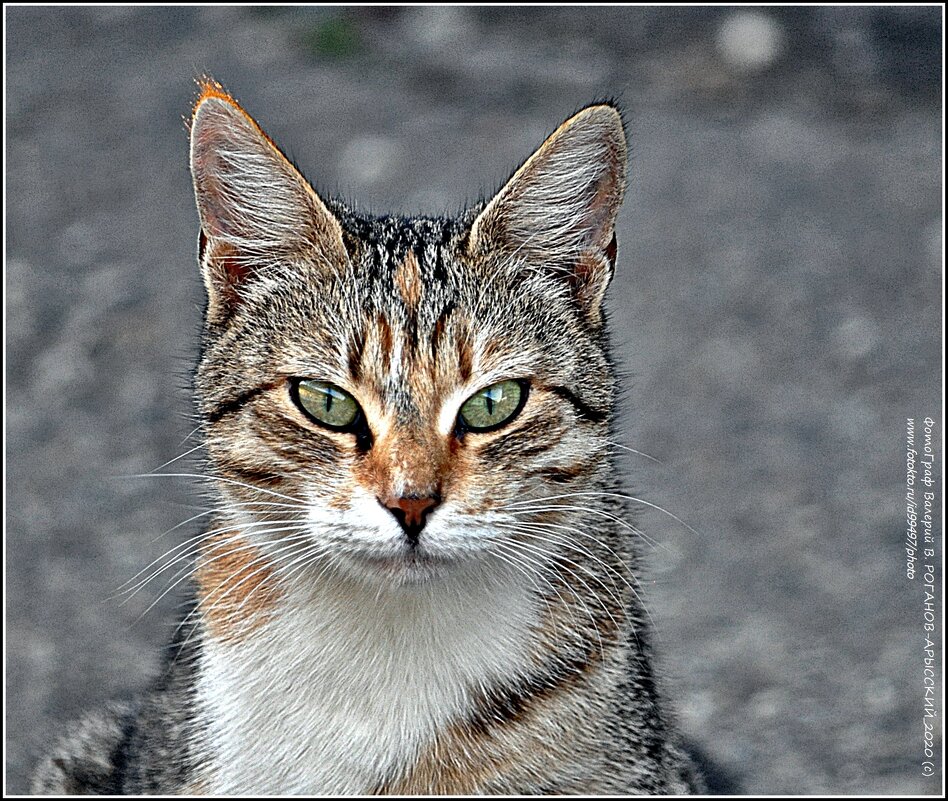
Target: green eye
326	403
493	406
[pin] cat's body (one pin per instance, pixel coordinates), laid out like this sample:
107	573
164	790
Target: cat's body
422	581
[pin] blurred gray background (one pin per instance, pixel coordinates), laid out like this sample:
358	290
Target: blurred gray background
776	315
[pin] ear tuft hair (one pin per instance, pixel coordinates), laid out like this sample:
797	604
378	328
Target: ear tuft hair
208	87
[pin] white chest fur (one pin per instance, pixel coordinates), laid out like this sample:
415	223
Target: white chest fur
344	686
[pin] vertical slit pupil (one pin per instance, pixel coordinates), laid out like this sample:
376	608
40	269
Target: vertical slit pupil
328	396
489	402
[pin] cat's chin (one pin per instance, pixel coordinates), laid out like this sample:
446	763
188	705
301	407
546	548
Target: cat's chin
404	568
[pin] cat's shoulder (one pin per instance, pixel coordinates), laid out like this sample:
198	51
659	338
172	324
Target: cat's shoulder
88	756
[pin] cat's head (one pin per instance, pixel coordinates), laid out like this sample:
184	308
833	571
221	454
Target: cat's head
399	395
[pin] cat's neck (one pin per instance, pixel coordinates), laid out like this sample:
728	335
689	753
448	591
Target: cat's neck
345	683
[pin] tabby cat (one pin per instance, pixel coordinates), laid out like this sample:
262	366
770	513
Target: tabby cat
419	577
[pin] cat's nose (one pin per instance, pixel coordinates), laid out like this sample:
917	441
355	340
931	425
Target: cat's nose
411	512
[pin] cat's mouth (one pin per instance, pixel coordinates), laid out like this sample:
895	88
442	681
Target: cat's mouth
408	565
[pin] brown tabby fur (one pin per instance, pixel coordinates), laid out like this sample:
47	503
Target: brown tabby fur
504	652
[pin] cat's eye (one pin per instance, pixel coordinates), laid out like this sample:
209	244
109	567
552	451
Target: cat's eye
326	403
493	406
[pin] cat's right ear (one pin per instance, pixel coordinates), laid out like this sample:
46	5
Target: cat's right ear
257	211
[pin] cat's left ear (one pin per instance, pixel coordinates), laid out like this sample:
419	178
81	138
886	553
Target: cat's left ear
558	211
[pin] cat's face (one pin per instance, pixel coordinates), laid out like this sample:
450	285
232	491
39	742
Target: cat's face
396	397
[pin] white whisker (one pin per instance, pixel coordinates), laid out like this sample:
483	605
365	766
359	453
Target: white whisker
622	495
217	478
172	461
633	450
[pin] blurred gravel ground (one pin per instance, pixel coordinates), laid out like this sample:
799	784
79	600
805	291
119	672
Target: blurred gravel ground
777	313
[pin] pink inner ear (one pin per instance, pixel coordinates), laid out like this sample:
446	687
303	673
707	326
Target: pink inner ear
207	167
229	266
220	134
215	220
235	267
225	272
612	250
602	207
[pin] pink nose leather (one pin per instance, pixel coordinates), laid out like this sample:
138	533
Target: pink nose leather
411	512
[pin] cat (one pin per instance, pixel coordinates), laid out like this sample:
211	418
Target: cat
419	578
